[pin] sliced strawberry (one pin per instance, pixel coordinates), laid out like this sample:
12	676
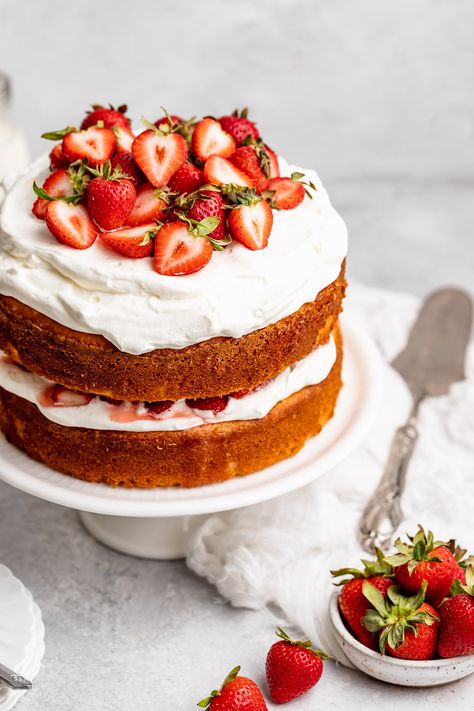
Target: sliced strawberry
187	179
209	139
274	166
215	404
251	224
111	400
148	206
254	162
239	394
157	408
110	201
63	397
288	193
57	159
239	127
126	163
220	171
159	155
110	117
58	184
96	145
178	252
71	224
134	242
124	138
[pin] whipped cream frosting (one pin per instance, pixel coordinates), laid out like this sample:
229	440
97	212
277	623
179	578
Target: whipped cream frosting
101	415
126	301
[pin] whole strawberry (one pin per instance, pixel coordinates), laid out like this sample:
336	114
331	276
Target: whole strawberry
457	619
407	627
293	667
423	558
237	693
239	126
110	117
110	197
204	203
254	161
352	603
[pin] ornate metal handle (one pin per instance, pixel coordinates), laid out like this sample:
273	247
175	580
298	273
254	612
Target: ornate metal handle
383	514
12	679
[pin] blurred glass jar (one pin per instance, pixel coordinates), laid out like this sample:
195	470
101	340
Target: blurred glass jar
14	155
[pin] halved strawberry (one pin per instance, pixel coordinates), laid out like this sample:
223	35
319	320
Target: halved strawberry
71	224
220	171
251	224
239	126
159	155
110	117
126	163
135	242
288	194
96	145
274	165
124	138
215	404
178	252
57	159
58	184
187	179
63	397
110	200
156	408
148	206
209	139
239	394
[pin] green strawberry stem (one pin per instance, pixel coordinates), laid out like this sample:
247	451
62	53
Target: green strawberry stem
371	569
419	548
305	644
204	703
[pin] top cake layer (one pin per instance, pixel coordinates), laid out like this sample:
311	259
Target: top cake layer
138	310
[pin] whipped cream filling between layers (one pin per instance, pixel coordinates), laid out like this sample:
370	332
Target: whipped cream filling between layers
98	291
100	415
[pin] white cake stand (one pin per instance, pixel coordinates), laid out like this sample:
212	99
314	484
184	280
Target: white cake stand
157	523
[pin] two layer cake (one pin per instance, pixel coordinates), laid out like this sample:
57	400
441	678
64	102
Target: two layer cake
169	310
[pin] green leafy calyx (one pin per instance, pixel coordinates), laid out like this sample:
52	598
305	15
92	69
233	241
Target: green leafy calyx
231	676
371	569
305	644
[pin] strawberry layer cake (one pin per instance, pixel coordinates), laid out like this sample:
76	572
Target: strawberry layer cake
169	302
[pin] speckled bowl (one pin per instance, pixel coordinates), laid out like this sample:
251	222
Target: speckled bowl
391	670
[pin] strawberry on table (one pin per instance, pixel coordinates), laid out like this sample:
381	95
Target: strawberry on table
58	184
250	220
407	627
183	247
210	139
109	117
457	619
287	193
239	126
351	601
220	171
134	242
237	693
71	224
423	558
150	204
63	397
292	668
187	179
95	144
159	154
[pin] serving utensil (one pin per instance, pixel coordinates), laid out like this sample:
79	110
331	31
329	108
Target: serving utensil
12	679
432	360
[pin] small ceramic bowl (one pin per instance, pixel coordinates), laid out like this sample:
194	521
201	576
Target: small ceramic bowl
396	671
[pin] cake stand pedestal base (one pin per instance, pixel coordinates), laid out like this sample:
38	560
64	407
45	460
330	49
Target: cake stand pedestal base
153	538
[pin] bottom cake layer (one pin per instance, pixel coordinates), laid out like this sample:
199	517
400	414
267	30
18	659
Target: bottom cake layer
188	458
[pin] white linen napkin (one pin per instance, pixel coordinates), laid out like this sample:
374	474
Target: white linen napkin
277	555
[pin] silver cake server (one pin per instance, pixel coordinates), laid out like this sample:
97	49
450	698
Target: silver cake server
13	680
432	360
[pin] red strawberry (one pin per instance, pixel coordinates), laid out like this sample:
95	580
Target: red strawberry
149	205
237	693
71	224
239	394
156	408
187	179
461	574
57	158
407	627
251	224
220	171
124	138
424	559
239	127
126	162
254	162
164	122
58	184
134	242
209	139
159	155
96	145
292	668
274	166
215	404
209	204
178	251
110	200
63	397
286	193
110	117
352	603
457	619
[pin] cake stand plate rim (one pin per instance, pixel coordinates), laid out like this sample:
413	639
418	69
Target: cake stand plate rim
355	411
